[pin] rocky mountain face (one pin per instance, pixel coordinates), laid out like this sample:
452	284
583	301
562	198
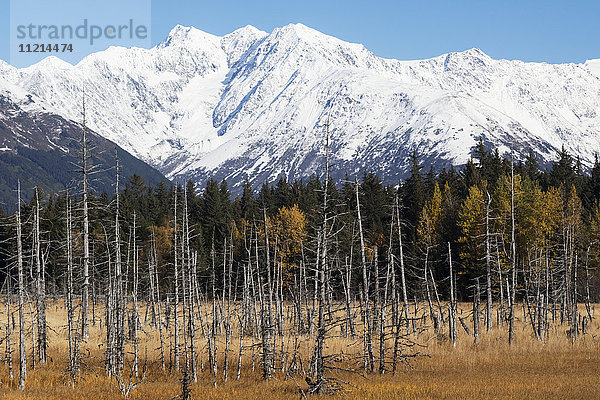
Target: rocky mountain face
44	150
255	105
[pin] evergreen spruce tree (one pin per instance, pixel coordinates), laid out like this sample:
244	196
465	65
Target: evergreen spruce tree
594	181
562	171
248	207
531	168
373	205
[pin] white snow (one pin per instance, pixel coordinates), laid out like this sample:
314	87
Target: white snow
593	66
254	103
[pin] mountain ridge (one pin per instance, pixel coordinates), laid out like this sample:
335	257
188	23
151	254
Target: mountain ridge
255	105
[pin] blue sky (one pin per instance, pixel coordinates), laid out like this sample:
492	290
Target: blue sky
536	30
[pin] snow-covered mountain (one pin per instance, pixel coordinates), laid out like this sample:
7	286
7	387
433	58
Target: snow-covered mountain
43	150
256	105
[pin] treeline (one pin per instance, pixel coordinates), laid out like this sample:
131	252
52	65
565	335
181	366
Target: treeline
469	208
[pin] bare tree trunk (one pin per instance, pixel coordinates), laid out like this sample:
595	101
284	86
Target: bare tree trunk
476	307
375	313
228	317
135	318
575	324
501	311
432	313
73	363
176	282
158	301
191	315
152	294
268	346
398	328
8	349
513	256
189	266
488	288
109	313
40	285
369	364
22	355
348	297
120	302
321	270
402	274
382	322
86	234
452	316
33	341
239	363
588	307
437	299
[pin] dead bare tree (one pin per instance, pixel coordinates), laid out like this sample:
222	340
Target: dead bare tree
267	310
176	284
452	314
402	272
22	355
321	270
40	284
8	348
73	342
134	295
86	230
369	362
513	258
488	287
120	303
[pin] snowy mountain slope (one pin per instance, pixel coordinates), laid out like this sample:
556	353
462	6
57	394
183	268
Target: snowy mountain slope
43	149
255	105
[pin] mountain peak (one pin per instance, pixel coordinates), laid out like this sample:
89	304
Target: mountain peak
475	51
239	41
247	30
6	66
468	54
471	60
303	32
51	62
186	35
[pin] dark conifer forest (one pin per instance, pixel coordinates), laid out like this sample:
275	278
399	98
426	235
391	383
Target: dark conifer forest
435	208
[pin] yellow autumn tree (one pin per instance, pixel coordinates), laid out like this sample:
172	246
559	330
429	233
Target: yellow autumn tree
594	226
163	238
548	205
288	232
538	215
508	190
528	214
471	217
503	203
594	231
431	218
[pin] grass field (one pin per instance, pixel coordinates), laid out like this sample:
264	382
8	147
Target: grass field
529	369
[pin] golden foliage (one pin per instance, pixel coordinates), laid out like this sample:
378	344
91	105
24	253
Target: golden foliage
288	229
431	217
471	217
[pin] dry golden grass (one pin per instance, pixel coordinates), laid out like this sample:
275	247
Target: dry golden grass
491	369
